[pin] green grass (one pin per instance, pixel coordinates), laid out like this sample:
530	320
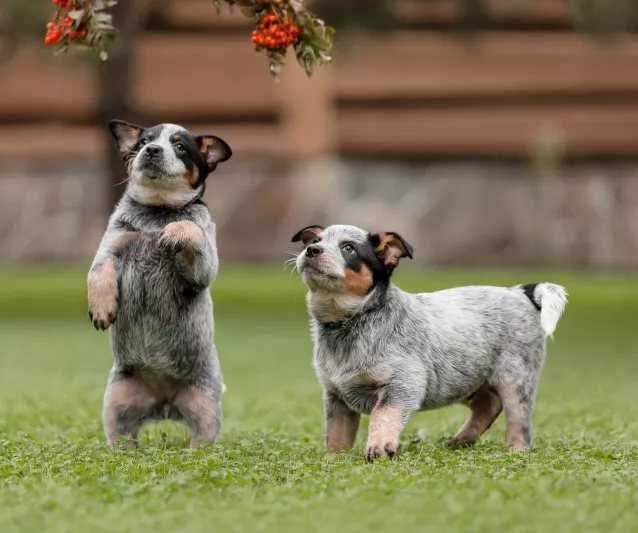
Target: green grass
268	471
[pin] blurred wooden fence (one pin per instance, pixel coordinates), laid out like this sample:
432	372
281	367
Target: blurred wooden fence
419	92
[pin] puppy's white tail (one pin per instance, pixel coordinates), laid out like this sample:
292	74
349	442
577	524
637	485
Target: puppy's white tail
551	299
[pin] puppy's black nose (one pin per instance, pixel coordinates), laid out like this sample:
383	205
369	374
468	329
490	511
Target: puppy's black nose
314	249
153	150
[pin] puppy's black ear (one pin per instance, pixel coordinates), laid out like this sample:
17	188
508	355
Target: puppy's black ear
307	234
391	247
214	150
125	134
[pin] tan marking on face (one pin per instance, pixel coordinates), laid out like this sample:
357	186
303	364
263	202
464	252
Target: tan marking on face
191	178
358	283
183	233
485	407
342	429
128	392
103	292
206	408
386	424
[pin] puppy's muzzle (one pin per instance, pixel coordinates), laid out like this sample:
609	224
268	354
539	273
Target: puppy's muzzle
152	159
153	151
314	250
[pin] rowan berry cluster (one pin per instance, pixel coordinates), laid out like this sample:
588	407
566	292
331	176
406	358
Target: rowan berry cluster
63	27
275	33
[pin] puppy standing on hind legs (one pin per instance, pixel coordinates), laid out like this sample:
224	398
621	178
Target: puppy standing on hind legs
381	351
149	283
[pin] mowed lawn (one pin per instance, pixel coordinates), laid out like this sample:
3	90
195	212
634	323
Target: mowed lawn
268	472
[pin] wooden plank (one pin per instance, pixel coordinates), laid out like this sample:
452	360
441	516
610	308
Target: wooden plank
539	12
202	13
36	85
59	142
425	65
179	76
199	74
587	130
195	76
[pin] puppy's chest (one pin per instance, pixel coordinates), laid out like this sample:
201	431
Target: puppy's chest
357	381
149	276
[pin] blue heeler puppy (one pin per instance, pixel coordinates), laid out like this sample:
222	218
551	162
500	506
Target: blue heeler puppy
149	283
388	353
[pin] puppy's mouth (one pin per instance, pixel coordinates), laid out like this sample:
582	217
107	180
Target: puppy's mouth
153	173
318	276
151	168
316	270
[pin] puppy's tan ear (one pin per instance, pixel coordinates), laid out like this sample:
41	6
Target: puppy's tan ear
214	150
391	247
125	135
307	234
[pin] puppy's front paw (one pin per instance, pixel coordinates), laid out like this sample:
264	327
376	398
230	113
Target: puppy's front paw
376	449
102	286
178	235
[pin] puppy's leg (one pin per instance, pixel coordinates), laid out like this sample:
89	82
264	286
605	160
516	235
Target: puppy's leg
128	403
485	408
516	384
201	410
103	293
195	251
341	424
518	398
102	279
387	421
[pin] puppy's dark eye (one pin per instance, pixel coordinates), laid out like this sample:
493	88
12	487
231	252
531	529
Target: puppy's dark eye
348	248
180	147
315	240
142	142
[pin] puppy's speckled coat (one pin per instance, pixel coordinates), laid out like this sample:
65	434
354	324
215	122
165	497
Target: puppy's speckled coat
149	283
388	353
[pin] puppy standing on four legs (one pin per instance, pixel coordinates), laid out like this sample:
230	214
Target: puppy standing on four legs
149	282
388	353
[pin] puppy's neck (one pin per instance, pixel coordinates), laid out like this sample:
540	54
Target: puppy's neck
162	197
328	306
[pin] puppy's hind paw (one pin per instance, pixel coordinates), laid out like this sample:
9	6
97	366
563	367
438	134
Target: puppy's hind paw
455	443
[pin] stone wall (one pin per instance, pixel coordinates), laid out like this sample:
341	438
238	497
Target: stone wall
454	213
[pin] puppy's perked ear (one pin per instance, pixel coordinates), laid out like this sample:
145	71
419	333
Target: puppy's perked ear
214	150
125	134
391	247
308	234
